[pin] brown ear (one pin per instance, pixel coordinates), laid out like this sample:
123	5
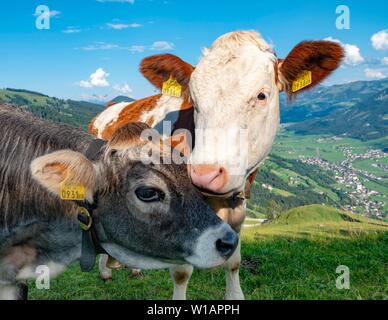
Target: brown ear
53	169
158	69
319	57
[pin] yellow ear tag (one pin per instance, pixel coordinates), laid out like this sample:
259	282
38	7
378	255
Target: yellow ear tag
72	191
172	88
304	79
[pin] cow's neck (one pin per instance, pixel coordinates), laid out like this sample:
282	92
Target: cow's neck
163	106
186	121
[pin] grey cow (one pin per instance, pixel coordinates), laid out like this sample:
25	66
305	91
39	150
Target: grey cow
144	215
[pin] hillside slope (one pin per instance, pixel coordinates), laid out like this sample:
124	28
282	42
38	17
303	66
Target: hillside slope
282	184
75	113
318	214
357	109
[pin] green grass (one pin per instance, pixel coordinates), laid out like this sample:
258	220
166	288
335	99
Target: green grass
367	165
290	145
286	174
294	257
254	214
382	188
281	192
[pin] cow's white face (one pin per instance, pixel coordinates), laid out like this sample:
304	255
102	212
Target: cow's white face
236	101
235	92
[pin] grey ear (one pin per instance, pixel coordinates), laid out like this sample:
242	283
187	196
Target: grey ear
53	169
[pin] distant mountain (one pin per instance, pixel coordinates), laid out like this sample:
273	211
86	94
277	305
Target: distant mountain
358	110
96	101
75	113
119	99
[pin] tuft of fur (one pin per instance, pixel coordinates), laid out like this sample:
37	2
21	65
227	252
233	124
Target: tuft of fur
128	136
233	40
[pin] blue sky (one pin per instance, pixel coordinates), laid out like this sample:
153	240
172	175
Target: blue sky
108	38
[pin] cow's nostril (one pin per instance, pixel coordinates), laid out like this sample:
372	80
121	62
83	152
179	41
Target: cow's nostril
209	177
227	244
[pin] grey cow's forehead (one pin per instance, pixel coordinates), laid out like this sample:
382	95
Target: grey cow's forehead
173	175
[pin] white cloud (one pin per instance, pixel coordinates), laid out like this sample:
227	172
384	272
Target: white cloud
121	1
374	74
123	88
121	26
137	49
162	45
101	46
96	79
156	46
72	30
380	40
353	56
384	61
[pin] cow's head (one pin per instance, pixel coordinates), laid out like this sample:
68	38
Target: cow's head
147	214
235	92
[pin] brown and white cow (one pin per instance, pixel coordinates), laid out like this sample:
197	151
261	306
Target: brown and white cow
231	98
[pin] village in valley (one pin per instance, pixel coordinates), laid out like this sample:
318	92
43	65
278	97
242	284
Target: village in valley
359	170
354	179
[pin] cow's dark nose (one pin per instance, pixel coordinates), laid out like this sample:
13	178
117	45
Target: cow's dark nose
226	245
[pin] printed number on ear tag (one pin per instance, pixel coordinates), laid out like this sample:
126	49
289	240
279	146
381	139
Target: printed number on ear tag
72	192
172	88
304	79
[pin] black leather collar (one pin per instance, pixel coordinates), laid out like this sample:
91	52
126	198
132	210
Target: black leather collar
90	244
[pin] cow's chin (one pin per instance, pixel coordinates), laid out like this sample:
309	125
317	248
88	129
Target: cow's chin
135	260
236	186
228	192
209	193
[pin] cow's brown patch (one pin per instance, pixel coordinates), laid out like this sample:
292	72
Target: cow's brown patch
112	263
234	217
187	104
91	128
249	184
235	267
131	113
180	277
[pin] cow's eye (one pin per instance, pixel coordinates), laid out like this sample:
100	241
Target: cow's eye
149	194
262	96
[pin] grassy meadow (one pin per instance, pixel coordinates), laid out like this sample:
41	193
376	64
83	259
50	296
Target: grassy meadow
293	257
